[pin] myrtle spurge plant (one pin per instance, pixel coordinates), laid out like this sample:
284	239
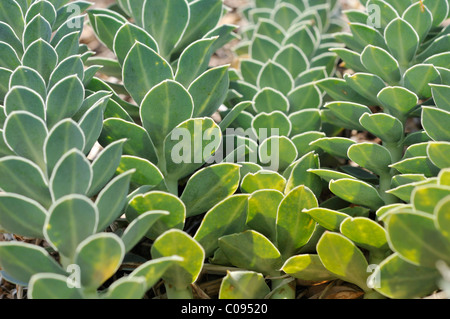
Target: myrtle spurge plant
395	80
393	83
284	50
418	234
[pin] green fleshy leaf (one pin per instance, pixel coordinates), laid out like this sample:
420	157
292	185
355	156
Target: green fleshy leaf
414	236
327	218
9	36
106	27
21	215
293	59
127	36
402	40
371	156
426	198
225	218
146	172
37	28
195	151
379	62
99	256
419	77
434	122
437	153
12	14
127	288
306	96
72	174
439	9
307	267
366	84
158	200
275	120
277	152
397	100
294	227
251	250
70	220
243	285
394	279
275	76
163	108
158	19
365	34
357	192
262	212
45	8
154	269
384	126
64	99
209	186
176	242
417	165
70	65
52	286
143	68
442	216
29	78
303	38
194	61
263	179
302	142
304	121
365	233
41	57
441	96
341	257
209	91
336	146
25	134
138	141
139	227
63	137
349	113
300	175
112	199
21	260
104	166
250	69
21	176
269	100
263	48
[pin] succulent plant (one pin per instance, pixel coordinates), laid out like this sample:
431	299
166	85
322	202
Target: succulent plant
394	80
418	234
285	49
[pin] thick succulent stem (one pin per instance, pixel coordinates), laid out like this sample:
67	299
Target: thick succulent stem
396	150
385	185
65	262
172	185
